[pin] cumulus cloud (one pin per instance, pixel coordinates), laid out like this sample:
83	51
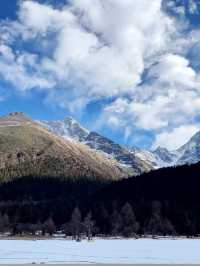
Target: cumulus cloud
130	54
171	100
101	44
174	70
17	70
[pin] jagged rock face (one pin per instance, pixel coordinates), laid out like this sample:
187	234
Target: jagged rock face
120	153
98	142
164	155
133	165
28	148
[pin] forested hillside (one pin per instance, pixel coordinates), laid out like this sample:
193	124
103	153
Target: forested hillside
161	202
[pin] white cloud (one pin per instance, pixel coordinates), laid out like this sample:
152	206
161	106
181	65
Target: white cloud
175	138
174	70
6	53
174	87
14	68
100	44
171	100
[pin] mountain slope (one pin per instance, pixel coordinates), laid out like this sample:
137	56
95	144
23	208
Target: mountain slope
71	129
118	152
27	148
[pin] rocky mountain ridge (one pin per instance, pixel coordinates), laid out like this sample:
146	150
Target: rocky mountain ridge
135	159
71	129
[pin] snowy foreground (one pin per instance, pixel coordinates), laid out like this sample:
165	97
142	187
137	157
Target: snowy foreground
145	251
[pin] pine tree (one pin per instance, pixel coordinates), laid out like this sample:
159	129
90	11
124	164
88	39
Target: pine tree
88	225
189	224
1	223
50	226
129	224
75	225
5	221
168	227
154	224
103	220
115	223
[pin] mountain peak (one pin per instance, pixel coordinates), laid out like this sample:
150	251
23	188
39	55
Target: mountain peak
70	119
67	128
196	136
164	154
14	118
17	115
160	149
73	122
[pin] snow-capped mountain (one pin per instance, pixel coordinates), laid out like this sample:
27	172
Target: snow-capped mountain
70	128
190	152
136	160
67	128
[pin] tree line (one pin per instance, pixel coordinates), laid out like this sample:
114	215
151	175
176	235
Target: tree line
121	223
162	202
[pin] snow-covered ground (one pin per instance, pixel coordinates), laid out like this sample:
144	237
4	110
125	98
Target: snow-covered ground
145	251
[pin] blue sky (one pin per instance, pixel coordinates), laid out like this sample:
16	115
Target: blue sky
127	69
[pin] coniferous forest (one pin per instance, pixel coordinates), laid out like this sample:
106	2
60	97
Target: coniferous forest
161	202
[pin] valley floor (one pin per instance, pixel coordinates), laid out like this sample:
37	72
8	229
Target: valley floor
141	251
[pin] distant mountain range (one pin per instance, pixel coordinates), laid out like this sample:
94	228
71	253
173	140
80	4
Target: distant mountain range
137	160
66	148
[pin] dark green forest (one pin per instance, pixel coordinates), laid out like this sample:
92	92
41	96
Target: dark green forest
161	202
